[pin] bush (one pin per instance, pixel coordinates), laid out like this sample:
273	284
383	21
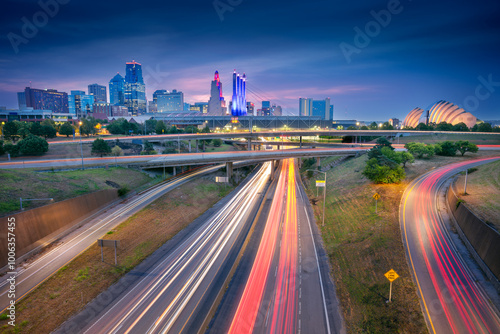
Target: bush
33	145
117	151
11	149
447	148
217	142
100	147
383	174
420	150
123	191
66	129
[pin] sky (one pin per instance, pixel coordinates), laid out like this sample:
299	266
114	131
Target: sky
375	60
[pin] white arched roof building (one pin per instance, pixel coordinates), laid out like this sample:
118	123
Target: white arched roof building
441	111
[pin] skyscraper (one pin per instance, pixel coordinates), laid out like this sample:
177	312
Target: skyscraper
99	93
266	108
117	90
239	101
321	108
135	89
46	99
216	104
169	101
80	104
305	107
21	100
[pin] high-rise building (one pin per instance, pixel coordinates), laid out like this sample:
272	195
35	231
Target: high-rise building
276	110
266	108
331	111
21	100
216	104
99	93
80	104
169	101
239	101
135	89
251	109
117	90
321	108
305	106
46	99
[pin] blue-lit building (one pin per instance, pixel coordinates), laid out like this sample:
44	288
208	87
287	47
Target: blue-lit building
99	93
316	108
46	99
168	102
135	89
239	101
117	90
80	104
305	106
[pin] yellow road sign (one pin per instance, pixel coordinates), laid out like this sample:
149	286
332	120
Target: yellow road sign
391	275
376	196
320	183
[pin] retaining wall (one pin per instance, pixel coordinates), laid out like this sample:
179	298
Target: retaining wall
37	227
484	239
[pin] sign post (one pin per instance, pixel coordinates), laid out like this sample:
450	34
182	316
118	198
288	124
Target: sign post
376	197
391	276
322	183
108	243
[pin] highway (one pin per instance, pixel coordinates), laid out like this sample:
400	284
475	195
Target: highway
285	290
451	299
175	293
30	275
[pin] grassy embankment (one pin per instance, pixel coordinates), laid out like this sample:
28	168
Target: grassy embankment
493	139
363	245
77	283
483	193
27	183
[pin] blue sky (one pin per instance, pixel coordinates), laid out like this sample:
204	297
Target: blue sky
417	52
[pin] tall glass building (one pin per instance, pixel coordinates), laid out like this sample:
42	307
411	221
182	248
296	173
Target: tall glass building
117	90
80	104
135	89
46	99
99	93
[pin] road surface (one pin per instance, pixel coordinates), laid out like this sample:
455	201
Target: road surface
176	292
452	301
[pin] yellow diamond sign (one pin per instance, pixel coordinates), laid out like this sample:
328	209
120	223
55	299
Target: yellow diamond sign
376	196
391	275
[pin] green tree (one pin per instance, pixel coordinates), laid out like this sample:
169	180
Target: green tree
423	127
36	129
160	128
217	142
420	150
406	157
373	126
383	142
100	147
23	129
66	129
116	151
33	145
484	127
49	131
364	127
10	131
465	146
150	125
12	149
443	126
387	126
383	174
351	127
446	148
460	127
88	126
2	149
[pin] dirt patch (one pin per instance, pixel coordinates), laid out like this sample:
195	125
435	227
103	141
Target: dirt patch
76	284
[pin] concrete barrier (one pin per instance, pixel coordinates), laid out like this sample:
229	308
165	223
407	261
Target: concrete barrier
484	240
37	227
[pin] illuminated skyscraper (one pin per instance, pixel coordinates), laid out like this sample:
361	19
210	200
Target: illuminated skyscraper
135	89
117	90
80	104
216	104
46	99
239	101
99	93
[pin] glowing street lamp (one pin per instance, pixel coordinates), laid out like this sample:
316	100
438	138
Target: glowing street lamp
81	144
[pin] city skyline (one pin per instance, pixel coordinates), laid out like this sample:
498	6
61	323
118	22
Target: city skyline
383	57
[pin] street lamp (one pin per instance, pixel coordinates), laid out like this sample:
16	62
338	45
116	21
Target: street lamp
81	144
324	194
33	199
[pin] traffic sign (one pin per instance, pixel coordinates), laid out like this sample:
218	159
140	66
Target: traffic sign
391	275
320	183
376	196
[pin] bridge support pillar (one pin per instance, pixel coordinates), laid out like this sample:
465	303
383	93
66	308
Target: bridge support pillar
318	159
229	170
189	145
249	144
179	145
174	171
273	169
300	139
197	145
203	146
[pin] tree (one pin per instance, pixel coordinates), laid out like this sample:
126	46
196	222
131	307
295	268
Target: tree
23	129
116	151
2	150
33	145
423	127
406	157
384	142
36	129
383	174
160	128
418	150
66	129
351	127
49	131
217	142
373	126
464	146
460	127
10	131
387	126
12	149
484	127
88	126
443	126
100	147
364	127
446	148
150	125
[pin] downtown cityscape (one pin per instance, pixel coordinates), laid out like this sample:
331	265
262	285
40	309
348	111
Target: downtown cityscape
249	167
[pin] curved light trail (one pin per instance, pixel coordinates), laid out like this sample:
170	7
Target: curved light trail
451	299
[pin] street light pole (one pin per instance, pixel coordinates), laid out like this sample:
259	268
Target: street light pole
81	144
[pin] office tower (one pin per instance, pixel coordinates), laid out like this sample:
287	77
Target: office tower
276	110
321	108
135	89
169	101
216	104
46	99
251	109
21	100
305	106
266	108
80	104
331	112
117	90
239	101
99	93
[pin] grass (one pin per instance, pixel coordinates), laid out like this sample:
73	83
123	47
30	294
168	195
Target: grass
74	285
27	183
222	148
434	138
362	246
483	192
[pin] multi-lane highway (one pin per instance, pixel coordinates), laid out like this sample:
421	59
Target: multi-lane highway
176	293
31	275
451	299
285	290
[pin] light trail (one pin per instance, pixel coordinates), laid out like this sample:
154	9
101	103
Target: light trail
451	299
